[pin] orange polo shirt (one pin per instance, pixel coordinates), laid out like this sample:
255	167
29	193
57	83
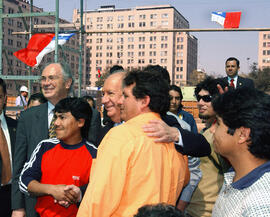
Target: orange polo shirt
132	170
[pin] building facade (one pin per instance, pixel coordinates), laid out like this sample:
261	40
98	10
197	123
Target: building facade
175	51
264	50
11	43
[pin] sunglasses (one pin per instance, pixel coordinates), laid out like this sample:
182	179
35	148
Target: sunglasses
205	98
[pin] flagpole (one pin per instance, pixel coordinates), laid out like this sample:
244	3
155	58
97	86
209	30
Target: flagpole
1	35
81	44
56	30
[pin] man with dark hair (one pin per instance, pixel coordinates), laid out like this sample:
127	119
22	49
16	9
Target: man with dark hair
242	135
135	170
58	167
212	166
36	124
7	145
36	99
232	66
159	210
176	106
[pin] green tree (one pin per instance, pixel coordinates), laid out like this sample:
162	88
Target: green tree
261	77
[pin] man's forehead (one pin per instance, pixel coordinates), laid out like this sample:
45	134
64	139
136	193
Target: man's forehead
52	69
231	62
204	92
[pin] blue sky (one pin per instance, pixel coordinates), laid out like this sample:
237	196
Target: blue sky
213	47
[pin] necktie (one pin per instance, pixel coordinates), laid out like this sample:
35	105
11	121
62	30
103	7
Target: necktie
52	133
6	165
232	84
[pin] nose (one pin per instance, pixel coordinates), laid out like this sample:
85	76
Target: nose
56	122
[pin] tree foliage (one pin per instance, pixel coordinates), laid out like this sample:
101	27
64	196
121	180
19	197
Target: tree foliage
102	78
260	77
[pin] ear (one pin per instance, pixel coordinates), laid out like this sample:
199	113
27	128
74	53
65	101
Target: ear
244	136
68	83
145	102
81	122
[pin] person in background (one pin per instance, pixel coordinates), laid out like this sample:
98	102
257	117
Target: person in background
57	165
232	66
176	106
21	100
36	99
90	101
7	144
212	166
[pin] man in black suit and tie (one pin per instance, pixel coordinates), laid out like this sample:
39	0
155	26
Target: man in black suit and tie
7	144
33	126
232	67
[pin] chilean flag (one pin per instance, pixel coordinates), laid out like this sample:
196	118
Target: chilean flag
227	19
38	46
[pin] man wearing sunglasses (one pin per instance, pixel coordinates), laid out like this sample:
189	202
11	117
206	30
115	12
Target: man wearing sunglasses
212	166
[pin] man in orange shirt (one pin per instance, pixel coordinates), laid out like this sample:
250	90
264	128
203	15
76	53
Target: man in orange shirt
133	170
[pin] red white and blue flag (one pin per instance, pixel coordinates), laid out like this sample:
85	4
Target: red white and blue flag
39	45
227	19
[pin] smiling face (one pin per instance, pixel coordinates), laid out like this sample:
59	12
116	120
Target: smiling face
53	85
231	68
67	128
205	108
112	92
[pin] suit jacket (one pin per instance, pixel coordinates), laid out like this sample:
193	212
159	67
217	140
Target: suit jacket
195	144
32	128
12	125
103	131
95	127
241	82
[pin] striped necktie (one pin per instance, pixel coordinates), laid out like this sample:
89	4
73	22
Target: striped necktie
52	133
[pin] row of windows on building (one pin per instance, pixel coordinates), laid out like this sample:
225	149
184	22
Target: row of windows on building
139	61
132	39
122	18
129	25
266	52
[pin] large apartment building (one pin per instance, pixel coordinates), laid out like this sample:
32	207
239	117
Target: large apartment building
264	50
177	51
11	43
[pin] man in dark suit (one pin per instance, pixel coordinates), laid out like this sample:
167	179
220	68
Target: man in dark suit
7	140
232	66
33	126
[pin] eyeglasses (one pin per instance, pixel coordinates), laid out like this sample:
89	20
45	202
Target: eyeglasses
49	78
205	98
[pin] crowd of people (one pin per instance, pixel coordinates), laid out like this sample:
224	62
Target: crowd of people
147	159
